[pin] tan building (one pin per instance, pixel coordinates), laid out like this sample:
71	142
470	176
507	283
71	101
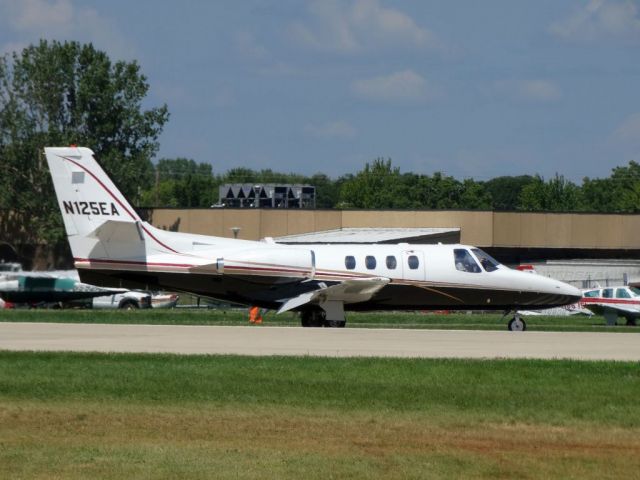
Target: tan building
511	236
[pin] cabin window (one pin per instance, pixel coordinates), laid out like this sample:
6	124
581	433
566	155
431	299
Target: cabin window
622	293
489	263
635	291
464	261
607	293
413	262
592	294
350	262
370	262
392	263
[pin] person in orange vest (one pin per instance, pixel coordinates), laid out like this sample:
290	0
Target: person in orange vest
255	316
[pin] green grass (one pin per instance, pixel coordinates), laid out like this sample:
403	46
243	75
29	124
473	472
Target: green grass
514	390
68	415
488	321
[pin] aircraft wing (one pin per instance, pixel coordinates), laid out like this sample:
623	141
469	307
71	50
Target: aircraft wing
349	291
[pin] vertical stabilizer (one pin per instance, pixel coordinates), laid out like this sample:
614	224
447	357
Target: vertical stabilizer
89	202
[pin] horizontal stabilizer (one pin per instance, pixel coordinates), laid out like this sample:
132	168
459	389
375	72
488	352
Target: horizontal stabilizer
349	291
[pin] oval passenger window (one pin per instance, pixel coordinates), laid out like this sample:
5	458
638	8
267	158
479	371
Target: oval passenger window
350	262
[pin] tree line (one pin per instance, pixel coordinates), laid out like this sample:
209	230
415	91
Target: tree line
379	185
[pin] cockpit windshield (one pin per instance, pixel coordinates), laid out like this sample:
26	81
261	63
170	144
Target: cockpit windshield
489	263
464	261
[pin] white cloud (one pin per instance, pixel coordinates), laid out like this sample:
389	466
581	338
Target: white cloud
61	19
400	87
600	19
629	130
350	27
535	90
336	129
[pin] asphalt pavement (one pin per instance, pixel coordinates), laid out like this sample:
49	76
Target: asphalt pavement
324	342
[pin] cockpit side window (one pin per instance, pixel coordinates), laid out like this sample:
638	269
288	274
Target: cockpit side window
489	263
622	293
464	261
591	294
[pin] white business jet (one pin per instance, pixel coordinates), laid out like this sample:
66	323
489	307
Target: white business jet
112	246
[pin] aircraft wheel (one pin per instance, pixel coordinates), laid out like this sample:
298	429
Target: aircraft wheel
631	322
312	318
335	323
517	325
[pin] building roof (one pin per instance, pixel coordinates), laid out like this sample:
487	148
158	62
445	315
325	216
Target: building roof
375	235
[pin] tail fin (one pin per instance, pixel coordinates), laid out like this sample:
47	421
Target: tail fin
91	204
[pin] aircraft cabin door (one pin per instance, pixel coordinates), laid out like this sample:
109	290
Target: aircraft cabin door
413	265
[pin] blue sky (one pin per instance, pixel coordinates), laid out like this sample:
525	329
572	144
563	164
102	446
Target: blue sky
471	89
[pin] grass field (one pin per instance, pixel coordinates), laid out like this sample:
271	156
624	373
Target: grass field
364	320
160	416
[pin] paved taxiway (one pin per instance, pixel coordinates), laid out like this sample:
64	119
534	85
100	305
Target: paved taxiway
349	342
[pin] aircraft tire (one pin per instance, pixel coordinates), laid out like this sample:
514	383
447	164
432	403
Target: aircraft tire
335	323
516	324
312	318
631	322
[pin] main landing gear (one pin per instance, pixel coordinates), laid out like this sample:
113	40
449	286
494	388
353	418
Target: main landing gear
516	324
331	316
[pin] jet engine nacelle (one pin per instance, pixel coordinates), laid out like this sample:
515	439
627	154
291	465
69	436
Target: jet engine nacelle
288	262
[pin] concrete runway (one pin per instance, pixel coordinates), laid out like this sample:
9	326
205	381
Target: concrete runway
326	342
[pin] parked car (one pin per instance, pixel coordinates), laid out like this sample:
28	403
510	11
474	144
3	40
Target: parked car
130	300
164	300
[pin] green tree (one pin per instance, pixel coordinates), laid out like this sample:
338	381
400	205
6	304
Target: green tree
474	196
626	182
556	195
378	185
505	191
327	190
182	183
600	195
57	93
438	191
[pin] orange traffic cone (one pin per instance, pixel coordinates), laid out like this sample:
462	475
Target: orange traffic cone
254	315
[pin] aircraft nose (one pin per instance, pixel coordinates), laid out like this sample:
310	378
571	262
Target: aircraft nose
570	291
547	292
565	293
